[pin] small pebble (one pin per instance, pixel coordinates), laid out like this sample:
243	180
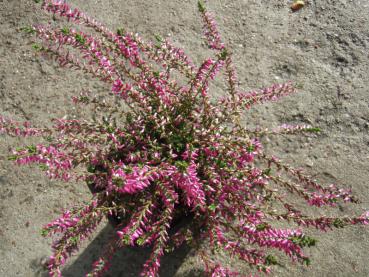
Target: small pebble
297	5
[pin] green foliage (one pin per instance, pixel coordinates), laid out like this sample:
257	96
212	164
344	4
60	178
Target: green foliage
118	182
262	226
65	30
250	148
126	239
271	260
338	223
212	207
267	171
224	54
91	168
128	170
181	165
80	39
306	261
43	167
140	241
156	74
31	149
313	129
201	6
304	241
221	164
120	32
74	240
159	38
28	30
37	47
44	232
12	157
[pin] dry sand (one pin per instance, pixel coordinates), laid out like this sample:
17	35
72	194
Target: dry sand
323	48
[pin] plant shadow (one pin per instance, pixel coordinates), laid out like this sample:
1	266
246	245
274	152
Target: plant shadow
127	261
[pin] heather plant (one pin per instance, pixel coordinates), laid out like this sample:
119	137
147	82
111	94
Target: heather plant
174	165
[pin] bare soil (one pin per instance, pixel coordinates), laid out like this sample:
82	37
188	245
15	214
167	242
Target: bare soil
323	49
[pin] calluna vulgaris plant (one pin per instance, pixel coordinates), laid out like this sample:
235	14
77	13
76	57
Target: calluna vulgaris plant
173	152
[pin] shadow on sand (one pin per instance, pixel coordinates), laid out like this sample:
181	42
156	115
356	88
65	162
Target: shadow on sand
128	261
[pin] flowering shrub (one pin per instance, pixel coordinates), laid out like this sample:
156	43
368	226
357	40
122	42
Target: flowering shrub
175	166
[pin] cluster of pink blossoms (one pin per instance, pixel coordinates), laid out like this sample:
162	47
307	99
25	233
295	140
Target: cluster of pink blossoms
175	165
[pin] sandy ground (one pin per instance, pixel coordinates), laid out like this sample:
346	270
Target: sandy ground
323	48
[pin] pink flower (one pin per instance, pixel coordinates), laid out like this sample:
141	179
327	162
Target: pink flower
134	179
